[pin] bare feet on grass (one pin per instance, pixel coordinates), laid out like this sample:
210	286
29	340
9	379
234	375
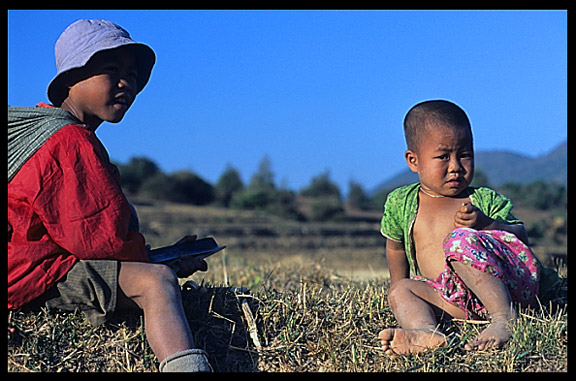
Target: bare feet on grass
398	341
494	336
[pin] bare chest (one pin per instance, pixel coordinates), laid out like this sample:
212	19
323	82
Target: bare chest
434	220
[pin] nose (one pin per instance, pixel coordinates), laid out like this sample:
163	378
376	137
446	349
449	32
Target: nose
454	166
127	83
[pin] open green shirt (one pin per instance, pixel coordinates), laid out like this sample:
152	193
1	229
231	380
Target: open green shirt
402	206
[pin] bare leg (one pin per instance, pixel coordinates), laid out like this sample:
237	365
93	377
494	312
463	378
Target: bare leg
155	289
494	294
412	302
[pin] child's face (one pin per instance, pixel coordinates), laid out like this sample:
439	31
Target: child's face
444	161
107	90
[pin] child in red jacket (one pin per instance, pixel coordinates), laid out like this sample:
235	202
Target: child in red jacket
74	242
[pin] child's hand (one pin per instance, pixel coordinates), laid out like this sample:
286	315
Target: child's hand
187	265
469	216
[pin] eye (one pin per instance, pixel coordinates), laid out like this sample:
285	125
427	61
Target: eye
442	157
111	69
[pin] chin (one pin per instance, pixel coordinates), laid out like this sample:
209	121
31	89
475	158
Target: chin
115	119
457	191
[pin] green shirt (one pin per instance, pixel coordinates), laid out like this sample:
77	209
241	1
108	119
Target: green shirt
402	206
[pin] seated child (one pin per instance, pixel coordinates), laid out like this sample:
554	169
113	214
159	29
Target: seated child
73	239
467	254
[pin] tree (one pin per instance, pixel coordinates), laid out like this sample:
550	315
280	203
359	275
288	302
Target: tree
228	184
326	209
545	196
327	201
322	186
538	194
191	188
181	186
262	195
263	178
357	198
135	172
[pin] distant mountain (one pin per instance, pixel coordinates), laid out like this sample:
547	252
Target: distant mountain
502	167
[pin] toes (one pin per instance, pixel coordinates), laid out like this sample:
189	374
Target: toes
475	345
386	334
481	345
390	353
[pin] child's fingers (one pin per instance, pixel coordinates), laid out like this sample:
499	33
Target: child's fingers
465	216
463	219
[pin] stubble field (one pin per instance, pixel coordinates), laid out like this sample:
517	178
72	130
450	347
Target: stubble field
284	296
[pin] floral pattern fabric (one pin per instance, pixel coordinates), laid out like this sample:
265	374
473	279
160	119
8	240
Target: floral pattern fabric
496	252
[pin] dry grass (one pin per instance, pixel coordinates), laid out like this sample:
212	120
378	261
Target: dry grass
307	319
317	293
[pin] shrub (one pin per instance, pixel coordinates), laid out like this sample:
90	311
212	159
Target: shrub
182	186
136	172
321	186
326	209
228	184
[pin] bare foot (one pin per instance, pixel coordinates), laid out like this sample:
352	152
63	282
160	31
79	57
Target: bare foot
405	341
494	336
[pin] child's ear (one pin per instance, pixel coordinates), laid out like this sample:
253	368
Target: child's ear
411	160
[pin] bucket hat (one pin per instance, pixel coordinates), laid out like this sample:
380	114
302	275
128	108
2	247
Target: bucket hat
82	40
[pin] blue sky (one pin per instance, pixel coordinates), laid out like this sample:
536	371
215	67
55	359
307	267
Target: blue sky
315	90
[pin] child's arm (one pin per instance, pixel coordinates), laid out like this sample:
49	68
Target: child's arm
397	262
470	216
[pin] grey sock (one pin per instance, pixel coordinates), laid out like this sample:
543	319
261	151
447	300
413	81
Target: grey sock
190	360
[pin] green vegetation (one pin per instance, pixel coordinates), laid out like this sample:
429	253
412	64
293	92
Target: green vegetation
323	199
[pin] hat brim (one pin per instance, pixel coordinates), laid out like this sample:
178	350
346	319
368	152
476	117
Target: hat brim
145	59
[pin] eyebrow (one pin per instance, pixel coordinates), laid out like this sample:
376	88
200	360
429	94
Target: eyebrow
443	149
447	149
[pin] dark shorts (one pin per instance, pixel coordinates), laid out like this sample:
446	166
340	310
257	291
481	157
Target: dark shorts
91	286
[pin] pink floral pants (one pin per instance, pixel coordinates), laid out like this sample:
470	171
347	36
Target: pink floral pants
495	252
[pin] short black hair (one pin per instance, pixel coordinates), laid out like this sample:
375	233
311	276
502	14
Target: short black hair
429	113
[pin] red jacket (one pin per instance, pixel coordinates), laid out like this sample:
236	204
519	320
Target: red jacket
65	204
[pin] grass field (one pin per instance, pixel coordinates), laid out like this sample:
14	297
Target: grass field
305	319
283	297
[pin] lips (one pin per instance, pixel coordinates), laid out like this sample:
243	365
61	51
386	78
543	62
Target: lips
454	182
123	99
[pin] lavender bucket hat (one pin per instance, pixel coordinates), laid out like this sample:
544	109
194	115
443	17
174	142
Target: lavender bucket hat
84	38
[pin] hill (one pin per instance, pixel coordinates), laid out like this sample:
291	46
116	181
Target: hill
502	167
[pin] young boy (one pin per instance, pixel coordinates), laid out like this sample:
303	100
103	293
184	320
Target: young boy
467	253
73	239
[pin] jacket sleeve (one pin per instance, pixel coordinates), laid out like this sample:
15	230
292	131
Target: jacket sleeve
81	203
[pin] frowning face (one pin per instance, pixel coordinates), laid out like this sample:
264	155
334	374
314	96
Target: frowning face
444	160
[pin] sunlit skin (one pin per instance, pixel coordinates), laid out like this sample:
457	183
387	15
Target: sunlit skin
444	162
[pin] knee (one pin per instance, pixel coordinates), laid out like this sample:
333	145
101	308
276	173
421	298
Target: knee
158	282
161	277
398	290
